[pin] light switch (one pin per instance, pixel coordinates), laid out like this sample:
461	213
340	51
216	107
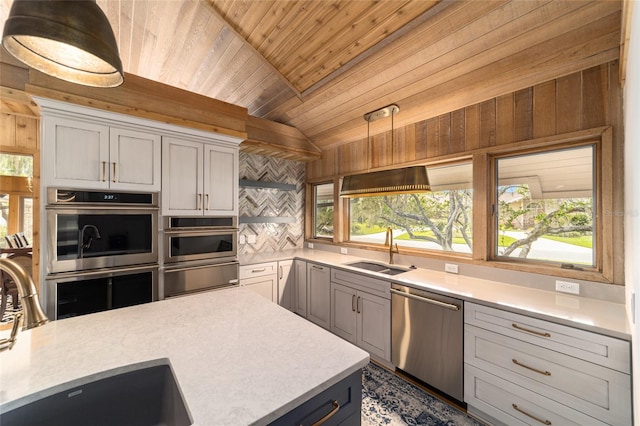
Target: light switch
251	239
243	240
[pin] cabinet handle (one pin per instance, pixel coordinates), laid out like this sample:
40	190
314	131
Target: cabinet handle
317	267
114	172
545	373
281	274
335	407
544	422
358	304
104	170
514	325
199	206
353	299
207	196
258	270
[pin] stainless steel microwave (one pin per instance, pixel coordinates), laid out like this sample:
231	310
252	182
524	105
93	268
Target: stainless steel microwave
200	238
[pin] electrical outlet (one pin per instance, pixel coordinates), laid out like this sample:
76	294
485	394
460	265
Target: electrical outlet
567	287
251	239
343	250
451	268
243	240
310	245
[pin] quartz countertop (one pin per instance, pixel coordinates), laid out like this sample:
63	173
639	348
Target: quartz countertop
594	315
238	358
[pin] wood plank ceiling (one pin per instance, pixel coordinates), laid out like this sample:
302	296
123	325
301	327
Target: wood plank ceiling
321	65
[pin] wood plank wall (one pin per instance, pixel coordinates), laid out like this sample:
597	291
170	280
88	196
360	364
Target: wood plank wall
583	100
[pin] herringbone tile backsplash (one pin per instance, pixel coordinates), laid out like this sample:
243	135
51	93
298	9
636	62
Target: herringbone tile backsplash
272	237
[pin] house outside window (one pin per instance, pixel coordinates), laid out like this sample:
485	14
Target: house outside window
438	220
545	209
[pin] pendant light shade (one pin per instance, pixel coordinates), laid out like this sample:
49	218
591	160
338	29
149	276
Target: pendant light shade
70	40
406	180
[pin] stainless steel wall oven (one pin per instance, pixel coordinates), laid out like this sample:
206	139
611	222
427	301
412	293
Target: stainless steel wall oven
200	253
100	229
102	250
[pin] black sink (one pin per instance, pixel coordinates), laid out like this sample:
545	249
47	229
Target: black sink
144	396
378	267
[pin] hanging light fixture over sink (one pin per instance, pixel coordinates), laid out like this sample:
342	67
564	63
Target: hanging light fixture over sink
70	40
386	182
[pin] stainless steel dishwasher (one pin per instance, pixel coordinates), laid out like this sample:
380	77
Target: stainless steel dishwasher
427	338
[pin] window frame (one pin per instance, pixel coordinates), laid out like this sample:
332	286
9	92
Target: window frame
313	216
609	206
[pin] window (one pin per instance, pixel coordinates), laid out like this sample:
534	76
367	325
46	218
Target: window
323	210
16	202
546	206
437	220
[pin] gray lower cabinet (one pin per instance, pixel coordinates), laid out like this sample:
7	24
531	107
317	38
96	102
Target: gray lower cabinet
319	294
338	405
521	370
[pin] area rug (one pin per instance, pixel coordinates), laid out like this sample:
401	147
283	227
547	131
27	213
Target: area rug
389	400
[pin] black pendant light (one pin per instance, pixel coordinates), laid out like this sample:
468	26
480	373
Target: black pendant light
70	40
405	180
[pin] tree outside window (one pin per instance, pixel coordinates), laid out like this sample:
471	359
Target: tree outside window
546	206
437	220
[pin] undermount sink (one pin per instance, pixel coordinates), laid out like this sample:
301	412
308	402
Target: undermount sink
378	267
144	395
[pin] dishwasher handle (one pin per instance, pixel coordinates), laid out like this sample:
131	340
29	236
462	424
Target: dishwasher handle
450	306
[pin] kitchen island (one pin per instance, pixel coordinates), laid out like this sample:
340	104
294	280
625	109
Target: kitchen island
238	358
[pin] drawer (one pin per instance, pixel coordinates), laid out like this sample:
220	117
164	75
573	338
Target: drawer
495	399
595	390
596	348
258	270
361	282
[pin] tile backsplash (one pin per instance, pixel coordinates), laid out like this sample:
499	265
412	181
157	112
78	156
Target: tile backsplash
266	202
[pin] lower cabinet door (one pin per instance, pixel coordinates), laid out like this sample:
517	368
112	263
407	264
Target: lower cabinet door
265	286
343	312
338	405
374	325
319	295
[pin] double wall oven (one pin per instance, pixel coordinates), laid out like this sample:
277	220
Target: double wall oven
200	253
102	250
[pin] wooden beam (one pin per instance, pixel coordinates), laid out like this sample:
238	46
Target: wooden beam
148	99
267	137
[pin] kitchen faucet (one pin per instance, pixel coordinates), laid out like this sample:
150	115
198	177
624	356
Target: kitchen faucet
82	246
388	239
33	315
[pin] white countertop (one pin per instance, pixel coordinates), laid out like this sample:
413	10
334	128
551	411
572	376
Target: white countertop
238	358
588	314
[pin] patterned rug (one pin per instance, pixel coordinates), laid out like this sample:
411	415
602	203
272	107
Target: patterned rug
389	400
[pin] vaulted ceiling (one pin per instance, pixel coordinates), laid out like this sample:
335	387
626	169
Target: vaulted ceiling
321	65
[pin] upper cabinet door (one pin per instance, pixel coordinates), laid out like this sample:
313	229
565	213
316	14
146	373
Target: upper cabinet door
182	182
75	153
134	160
220	180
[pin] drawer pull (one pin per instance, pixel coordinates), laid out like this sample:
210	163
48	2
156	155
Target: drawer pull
353	299
335	407
317	267
545	373
258	270
544	422
514	325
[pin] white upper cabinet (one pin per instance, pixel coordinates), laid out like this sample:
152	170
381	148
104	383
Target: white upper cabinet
94	149
84	154
199	178
134	160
